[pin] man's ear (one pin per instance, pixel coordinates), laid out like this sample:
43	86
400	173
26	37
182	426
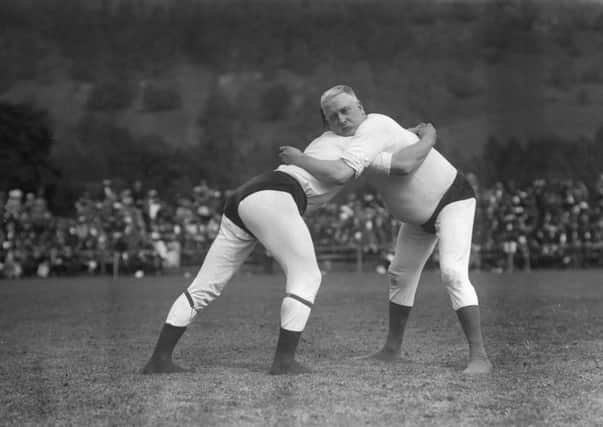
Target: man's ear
361	107
324	118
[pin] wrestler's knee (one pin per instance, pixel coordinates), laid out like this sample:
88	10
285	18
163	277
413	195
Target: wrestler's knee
395	278
202	294
460	289
401	279
402	286
453	275
306	284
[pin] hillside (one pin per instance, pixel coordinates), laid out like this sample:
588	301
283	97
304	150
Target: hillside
196	73
466	123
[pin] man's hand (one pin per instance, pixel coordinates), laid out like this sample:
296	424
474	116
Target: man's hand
289	155
423	129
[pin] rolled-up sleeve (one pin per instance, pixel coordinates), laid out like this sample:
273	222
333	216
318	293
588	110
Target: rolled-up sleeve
369	140
382	163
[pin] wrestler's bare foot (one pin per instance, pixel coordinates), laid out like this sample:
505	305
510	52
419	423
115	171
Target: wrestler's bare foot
162	366
478	365
387	354
288	367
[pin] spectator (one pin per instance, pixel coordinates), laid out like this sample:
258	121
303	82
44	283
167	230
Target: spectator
544	224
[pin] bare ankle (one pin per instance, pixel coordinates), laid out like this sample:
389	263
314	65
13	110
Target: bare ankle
393	344
478	353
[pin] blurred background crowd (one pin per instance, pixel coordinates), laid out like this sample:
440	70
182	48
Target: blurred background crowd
547	224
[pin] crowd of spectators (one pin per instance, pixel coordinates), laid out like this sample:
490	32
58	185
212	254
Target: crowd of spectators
544	224
555	224
132	228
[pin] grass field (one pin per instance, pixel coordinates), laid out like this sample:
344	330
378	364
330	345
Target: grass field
71	350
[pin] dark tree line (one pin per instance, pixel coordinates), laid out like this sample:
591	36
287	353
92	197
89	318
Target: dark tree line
549	157
26	162
25	143
128	37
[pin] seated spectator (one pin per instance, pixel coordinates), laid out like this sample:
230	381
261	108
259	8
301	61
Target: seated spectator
542	224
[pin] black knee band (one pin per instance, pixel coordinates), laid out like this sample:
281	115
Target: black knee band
300	299
190	299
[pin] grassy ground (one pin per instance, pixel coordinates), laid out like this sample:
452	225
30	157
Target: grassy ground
71	350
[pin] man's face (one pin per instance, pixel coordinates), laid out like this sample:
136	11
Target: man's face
344	114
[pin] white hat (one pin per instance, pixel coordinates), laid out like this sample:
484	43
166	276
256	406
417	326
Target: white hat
15	193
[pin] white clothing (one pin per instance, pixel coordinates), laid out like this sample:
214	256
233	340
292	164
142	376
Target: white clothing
231	247
327	146
414	246
413	199
274	219
409	198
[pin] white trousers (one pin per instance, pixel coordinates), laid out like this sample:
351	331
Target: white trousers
454	229
274	219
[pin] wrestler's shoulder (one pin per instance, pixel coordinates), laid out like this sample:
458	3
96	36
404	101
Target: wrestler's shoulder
378	120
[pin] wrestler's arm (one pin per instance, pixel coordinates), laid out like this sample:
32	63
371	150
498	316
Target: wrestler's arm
401	162
327	171
368	141
407	159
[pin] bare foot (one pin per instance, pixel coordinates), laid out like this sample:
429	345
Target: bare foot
292	367
477	366
162	366
391	352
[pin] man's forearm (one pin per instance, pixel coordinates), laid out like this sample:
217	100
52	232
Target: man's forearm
328	171
409	158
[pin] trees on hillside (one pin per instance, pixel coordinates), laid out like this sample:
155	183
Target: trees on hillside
138	37
25	143
545	157
413	57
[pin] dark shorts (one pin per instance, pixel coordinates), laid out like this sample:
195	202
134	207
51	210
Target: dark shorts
274	180
460	189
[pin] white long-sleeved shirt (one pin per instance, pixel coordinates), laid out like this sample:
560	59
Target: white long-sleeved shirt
410	198
328	146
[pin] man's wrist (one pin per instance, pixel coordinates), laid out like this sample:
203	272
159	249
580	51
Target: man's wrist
387	162
297	159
